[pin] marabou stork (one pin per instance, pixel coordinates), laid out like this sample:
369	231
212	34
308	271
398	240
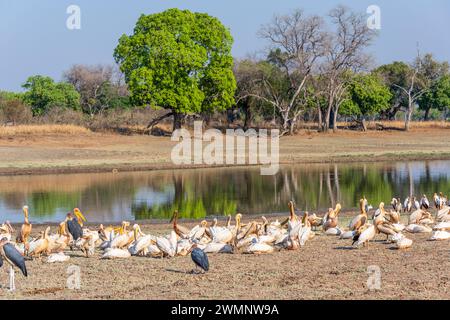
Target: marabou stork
73	227
200	259
10	254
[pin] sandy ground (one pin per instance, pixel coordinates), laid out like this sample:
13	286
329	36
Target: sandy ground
105	152
326	268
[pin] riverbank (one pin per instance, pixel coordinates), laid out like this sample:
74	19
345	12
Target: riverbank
325	268
101	152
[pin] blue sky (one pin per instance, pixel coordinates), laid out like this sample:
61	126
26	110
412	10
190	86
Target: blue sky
35	39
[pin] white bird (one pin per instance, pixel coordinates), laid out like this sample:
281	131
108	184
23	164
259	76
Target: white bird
217	247
258	248
366	235
333	231
348	234
116	253
417	228
443	226
440	235
57	257
168	244
401	242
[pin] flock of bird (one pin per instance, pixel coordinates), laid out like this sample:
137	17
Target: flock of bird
255	237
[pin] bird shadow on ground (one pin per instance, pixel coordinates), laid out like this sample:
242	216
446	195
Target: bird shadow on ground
178	271
345	248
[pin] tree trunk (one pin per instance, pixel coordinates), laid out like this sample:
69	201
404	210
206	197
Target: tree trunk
364	124
327	120
248	118
177	117
427	114
335	114
319	115
408	116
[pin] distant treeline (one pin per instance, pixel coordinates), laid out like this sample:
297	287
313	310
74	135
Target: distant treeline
316	69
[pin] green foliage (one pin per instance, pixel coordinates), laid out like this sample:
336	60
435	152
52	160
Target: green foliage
43	94
367	95
438	96
395	74
178	60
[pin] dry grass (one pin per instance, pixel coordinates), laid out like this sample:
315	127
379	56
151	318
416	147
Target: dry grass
43	129
399	125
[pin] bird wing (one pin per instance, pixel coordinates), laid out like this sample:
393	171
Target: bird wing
15	257
74	229
200	258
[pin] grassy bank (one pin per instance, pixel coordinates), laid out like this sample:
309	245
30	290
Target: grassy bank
50	149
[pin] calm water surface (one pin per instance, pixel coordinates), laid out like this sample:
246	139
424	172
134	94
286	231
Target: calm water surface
108	197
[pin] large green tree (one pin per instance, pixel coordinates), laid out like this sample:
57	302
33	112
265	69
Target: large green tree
394	75
178	60
366	95
437	97
42	94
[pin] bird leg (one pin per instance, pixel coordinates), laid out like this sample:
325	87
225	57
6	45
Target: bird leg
12	286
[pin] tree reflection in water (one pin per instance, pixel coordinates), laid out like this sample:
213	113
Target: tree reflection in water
108	197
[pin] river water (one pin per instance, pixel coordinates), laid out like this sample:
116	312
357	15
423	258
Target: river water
196	193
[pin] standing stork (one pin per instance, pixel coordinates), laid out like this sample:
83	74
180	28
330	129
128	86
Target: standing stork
416	204
80	217
200	259
424	203
10	254
73	227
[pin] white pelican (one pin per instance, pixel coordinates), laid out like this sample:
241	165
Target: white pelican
364	234
26	228
6	231
440	235
220	234
336	231
348	234
331	218
401	242
443	214
198	231
360	219
443	226
168	245
417	228
258	247
124	238
115	253
216	247
141	242
57	257
39	246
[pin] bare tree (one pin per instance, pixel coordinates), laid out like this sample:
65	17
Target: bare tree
344	55
96	85
296	42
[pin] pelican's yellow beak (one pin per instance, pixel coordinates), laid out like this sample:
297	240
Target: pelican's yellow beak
79	215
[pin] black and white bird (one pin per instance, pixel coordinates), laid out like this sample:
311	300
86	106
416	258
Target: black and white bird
407	204
424	203
200	259
416	204
12	256
74	227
